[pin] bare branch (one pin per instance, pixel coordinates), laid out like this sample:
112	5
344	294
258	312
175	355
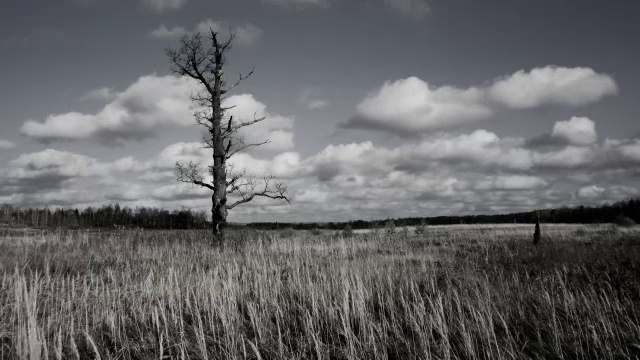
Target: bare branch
234	177
234	128
272	191
241	78
189	59
190	173
242	147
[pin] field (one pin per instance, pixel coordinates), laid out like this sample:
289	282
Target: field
458	292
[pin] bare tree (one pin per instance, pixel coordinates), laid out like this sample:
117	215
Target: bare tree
205	63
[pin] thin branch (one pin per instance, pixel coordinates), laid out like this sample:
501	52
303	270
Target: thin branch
277	192
190	173
235	128
241	78
243	147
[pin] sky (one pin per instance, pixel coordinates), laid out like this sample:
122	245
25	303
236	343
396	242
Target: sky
373	108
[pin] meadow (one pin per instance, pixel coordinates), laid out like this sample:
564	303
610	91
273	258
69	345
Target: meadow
459	292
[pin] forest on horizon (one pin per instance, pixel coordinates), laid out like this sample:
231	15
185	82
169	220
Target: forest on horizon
114	215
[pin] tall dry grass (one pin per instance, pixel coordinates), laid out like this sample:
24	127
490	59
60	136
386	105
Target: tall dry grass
458	293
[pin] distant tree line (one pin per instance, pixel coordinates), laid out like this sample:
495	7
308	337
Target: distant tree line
153	218
565	215
103	217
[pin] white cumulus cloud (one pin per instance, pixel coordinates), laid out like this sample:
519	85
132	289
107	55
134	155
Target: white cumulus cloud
276	129
134	114
412	106
552	85
579	131
591	191
154	102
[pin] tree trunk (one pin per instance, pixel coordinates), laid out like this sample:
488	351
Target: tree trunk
219	210
219	221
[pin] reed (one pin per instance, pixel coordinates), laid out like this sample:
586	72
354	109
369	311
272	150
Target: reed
452	293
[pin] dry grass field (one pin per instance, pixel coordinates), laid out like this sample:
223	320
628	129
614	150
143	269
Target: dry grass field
451	293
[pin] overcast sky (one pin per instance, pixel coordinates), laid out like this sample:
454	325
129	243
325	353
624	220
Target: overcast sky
375	108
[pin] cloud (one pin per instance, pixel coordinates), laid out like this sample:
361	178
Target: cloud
409	8
480	147
629	149
245	34
164	5
311	99
47	162
298	4
551	85
411	106
579	131
449	173
6	145
137	113
592	191
277	129
163	32
103	93
48	172
153	103
569	157
512	182
468	173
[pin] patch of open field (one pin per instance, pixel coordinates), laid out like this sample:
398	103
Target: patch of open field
457	292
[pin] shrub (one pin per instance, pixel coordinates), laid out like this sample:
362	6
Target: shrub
422	228
388	232
347	231
624	221
390	228
404	232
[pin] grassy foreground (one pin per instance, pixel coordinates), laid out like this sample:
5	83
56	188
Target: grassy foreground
452	293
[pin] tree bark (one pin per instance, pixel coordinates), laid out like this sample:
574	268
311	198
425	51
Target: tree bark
219	211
